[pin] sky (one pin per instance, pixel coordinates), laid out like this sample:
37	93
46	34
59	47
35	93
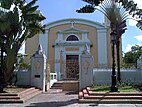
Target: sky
60	9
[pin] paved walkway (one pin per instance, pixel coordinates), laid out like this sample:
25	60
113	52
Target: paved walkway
58	98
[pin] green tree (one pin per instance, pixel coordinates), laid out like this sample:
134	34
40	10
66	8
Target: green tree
131	57
18	22
21	64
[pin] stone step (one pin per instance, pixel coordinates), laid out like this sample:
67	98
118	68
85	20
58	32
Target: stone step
20	97
8	94
91	93
31	95
112	97
9	97
89	96
111	101
81	95
56	88
26	91
5	101
57	85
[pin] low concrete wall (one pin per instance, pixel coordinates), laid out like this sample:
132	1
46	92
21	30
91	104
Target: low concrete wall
129	76
70	86
23	77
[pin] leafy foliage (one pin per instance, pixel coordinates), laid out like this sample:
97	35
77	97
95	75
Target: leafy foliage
18	22
115	13
86	9
93	2
130	58
21	64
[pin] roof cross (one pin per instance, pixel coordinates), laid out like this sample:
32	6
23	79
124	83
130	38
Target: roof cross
72	23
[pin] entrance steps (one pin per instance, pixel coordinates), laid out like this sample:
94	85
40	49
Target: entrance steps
19	97
88	96
57	85
60	84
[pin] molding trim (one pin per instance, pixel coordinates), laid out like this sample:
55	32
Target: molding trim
75	20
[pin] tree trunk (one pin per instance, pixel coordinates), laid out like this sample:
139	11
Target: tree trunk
118	61
10	60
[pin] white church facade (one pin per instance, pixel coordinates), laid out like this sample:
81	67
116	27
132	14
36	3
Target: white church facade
64	40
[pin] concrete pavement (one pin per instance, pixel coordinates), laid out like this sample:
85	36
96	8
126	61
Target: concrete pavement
59	98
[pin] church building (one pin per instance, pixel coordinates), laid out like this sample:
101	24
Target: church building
64	41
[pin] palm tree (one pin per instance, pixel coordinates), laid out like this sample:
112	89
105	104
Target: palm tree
17	24
117	11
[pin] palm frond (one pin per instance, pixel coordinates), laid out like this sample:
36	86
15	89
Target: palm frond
33	17
93	2
86	9
6	4
139	24
30	10
29	5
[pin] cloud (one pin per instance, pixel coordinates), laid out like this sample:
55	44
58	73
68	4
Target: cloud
139	38
139	3
132	22
128	48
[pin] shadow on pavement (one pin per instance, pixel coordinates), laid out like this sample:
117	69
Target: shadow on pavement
54	104
72	93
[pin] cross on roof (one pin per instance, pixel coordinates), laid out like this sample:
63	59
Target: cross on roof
72	23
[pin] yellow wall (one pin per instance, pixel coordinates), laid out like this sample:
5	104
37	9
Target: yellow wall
32	44
51	38
92	35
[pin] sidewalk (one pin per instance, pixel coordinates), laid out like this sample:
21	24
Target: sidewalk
58	98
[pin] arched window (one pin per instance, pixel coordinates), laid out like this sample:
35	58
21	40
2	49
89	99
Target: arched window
72	38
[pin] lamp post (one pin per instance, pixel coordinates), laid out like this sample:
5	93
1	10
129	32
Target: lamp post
3	38
113	87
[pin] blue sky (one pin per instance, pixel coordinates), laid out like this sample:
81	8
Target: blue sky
59	9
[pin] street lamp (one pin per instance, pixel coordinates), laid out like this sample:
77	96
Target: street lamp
3	38
113	87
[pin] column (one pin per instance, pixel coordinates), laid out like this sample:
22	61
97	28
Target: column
102	47
43	40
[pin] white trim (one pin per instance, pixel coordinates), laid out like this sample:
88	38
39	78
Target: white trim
102	47
76	21
43	38
74	35
74	30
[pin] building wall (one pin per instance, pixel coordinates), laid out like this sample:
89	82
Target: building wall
128	76
52	32
95	32
92	36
